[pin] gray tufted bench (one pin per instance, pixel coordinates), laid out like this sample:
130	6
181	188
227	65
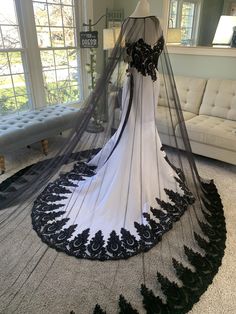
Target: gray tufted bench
25	128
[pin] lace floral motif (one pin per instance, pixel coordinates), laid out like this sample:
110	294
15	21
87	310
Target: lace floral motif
48	221
145	58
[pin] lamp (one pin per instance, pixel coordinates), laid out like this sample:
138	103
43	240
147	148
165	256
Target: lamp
224	31
110	36
174	36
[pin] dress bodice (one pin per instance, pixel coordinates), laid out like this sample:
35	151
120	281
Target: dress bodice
144	43
145	58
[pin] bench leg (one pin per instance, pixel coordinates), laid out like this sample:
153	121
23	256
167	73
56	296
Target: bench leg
44	144
2	164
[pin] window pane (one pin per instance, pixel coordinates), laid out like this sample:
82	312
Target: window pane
61	59
1	42
55	1
55	16
7	105
69	2
7	12
75	92
43	37
49	77
69	37
41	14
47	60
62	75
11	37
22	103
57	37
74	75
4	68
173	14
72	58
68	18
16	62
19	84
6	88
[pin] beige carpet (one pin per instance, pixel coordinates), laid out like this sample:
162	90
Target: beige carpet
51	282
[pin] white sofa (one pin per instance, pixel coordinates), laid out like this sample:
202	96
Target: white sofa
209	109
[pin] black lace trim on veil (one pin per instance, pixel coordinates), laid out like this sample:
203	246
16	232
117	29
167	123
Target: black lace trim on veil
46	221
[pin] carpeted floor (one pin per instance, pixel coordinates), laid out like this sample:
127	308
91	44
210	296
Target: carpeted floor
45	281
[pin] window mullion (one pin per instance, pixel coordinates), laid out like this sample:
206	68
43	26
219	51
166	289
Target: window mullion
25	13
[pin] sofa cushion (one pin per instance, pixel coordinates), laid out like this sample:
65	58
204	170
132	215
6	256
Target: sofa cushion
220	99
163	119
28	127
212	131
190	92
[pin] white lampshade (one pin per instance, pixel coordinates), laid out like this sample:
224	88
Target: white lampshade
174	36
110	36
224	31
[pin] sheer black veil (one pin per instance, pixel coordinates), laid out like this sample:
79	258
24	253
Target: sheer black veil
180	268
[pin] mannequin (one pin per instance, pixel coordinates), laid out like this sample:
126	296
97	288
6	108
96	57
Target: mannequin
142	9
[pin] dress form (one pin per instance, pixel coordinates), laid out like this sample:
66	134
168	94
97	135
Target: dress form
142	9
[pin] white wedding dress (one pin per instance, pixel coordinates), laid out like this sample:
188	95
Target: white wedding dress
121	206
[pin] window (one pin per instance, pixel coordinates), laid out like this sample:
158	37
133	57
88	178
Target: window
47	72
185	15
14	94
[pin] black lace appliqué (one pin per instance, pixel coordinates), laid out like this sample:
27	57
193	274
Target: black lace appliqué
145	58
52	226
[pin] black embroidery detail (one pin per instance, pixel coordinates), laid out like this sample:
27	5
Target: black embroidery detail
83	169
61	239
44	207
64	181
156	228
125	307
51	228
129	241
152	303
42	218
96	247
50	198
114	245
77	246
98	310
145	58
56	188
146	236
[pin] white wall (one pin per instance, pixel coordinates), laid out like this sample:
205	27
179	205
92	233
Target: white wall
99	8
156	6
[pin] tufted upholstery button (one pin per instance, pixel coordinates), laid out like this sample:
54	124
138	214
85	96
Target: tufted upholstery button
27	127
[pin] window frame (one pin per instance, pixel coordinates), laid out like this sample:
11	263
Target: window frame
30	52
197	10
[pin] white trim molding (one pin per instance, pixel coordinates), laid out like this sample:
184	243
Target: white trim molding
204	51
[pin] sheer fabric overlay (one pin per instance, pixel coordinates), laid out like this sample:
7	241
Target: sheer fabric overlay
114	194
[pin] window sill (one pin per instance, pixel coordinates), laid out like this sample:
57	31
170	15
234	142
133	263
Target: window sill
204	51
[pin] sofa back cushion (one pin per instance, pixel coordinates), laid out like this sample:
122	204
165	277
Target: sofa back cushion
220	99
190	90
